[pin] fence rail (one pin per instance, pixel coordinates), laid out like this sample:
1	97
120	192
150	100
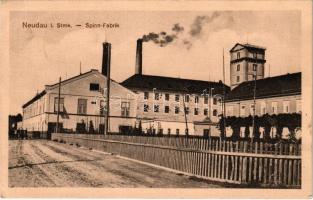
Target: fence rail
278	148
241	162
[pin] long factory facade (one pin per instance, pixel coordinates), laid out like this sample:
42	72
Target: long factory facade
162	105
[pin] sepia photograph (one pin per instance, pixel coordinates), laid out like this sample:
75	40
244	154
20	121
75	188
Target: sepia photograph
163	99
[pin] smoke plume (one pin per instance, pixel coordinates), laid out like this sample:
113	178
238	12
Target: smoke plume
200	21
196	28
162	38
195	32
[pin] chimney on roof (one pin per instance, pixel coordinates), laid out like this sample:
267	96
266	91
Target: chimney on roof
106	58
138	67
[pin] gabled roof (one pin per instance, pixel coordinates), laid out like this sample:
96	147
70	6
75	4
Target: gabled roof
92	71
273	86
42	93
248	46
73	78
254	46
49	87
148	82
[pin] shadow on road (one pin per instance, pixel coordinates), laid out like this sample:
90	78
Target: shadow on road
52	162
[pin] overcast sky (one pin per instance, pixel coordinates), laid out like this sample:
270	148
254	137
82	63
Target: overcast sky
39	56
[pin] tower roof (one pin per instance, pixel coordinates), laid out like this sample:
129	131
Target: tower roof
247	46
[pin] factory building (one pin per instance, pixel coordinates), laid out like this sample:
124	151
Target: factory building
273	95
82	105
167	105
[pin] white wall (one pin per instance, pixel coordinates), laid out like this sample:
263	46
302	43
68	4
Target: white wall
79	88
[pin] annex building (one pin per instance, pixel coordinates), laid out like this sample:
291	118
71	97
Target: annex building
82	106
273	95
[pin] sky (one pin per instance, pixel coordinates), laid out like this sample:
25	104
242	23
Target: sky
194	49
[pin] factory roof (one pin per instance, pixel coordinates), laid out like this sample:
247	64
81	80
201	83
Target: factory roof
283	85
65	81
148	82
42	93
35	98
74	77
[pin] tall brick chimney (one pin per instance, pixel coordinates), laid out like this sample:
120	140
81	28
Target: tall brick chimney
106	58
138	67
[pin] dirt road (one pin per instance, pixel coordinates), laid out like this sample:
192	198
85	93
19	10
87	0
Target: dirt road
41	163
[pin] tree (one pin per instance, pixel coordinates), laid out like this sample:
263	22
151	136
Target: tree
235	125
266	119
247	122
291	121
19	117
256	130
247	131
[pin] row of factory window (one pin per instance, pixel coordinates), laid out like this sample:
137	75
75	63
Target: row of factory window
254	55
156	109
254	67
263	108
35	109
187	98
161	131
82	107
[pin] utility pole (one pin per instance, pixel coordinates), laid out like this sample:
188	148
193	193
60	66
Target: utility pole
108	45
224	94
209	97
58	113
254	91
210	104
187	131
210	108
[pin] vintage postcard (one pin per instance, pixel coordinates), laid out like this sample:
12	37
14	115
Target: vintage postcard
175	99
